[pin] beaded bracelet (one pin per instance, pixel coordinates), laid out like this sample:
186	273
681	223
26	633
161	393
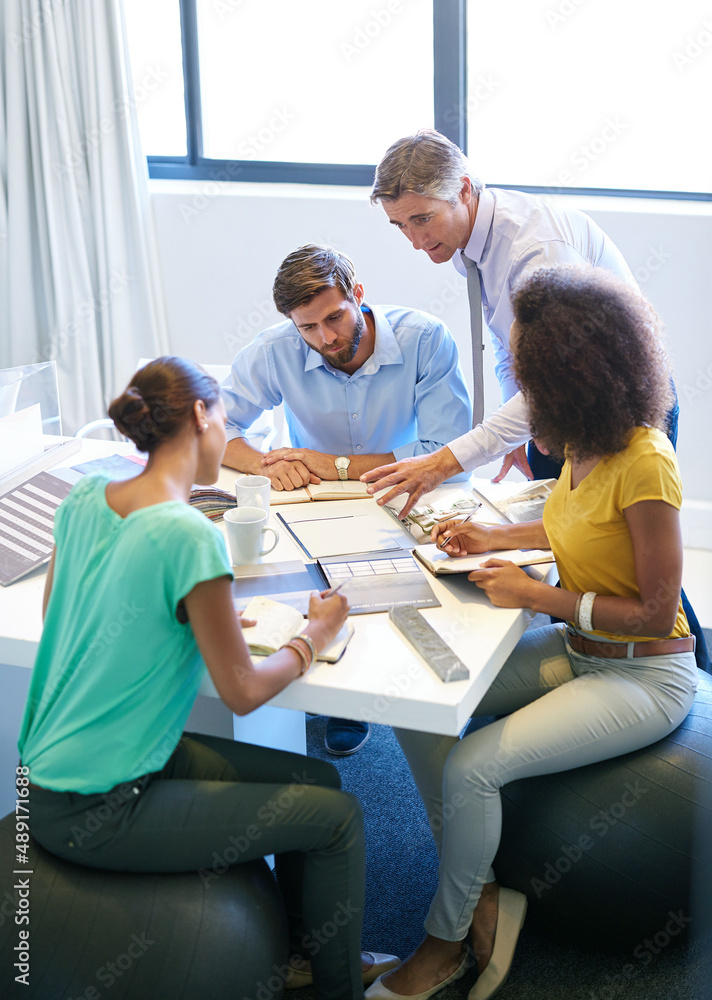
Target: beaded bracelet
585	620
300	653
310	643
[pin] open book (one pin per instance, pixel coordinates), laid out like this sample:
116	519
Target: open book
327	489
514	503
277	623
425	515
440	562
214	502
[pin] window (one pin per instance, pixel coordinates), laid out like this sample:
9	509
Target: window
325	83
154	34
556	95
585	94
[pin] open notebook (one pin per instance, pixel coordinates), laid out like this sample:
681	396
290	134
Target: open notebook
277	623
441	563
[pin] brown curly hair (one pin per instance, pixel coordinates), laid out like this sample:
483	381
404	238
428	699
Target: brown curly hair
588	359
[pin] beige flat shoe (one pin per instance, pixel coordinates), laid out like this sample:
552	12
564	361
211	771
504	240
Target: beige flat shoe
381	963
512	906
380	992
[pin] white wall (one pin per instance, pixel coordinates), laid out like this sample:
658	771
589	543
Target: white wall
220	246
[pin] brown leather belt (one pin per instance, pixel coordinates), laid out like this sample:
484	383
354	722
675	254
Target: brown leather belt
619	650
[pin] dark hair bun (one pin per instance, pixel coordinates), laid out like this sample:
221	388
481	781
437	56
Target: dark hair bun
131	414
159	401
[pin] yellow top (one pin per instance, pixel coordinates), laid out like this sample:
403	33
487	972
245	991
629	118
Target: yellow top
587	528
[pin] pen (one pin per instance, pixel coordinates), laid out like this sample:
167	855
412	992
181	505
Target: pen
334	590
439	545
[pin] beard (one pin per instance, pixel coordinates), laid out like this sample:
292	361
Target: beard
348	352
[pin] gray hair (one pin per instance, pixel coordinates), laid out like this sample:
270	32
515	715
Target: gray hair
427	164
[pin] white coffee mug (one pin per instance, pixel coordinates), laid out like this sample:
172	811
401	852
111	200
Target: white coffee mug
253	491
245	527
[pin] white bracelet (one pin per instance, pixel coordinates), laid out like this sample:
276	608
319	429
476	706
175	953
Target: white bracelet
585	618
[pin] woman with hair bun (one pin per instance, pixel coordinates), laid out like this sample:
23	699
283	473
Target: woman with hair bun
620	674
138	595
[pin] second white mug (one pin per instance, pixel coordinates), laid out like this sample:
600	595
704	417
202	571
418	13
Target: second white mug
253	491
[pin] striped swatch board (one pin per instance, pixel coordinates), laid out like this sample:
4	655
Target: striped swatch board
26	522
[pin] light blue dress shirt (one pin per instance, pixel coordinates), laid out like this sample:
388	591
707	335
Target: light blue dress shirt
408	398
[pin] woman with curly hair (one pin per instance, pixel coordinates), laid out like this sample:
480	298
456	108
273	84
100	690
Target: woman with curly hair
620	672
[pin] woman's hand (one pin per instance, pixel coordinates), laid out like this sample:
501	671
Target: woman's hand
245	622
506	585
462	538
326	616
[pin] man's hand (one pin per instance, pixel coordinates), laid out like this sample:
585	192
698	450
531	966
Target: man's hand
319	465
506	585
286	475
415	476
518	459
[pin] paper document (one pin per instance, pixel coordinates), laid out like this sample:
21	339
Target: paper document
350	529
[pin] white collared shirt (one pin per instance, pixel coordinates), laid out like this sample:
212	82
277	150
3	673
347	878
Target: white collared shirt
513	233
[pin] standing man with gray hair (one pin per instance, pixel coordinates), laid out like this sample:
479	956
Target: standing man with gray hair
493	237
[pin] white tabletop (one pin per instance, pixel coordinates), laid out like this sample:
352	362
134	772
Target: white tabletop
380	677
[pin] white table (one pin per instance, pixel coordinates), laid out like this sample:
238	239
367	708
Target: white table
380	678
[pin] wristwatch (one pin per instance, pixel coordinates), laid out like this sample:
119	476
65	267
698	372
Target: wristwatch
342	464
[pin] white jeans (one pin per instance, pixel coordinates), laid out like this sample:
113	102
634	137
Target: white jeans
562	710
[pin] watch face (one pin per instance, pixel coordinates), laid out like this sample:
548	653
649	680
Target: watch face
342	463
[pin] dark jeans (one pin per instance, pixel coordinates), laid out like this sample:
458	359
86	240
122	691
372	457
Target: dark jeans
217	803
545	467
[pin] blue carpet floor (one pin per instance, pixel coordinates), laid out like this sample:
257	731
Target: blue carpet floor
401	875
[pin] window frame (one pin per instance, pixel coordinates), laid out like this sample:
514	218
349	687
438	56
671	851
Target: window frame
449	91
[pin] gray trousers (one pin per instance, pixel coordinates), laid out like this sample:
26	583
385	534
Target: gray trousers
217	803
561	710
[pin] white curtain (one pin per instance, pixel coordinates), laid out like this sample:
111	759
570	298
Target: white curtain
79	279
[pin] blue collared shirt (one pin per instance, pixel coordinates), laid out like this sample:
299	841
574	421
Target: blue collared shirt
408	398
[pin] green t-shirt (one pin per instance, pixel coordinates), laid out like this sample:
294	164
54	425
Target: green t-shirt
116	673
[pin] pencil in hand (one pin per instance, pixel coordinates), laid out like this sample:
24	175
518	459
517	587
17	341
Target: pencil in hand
444	541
